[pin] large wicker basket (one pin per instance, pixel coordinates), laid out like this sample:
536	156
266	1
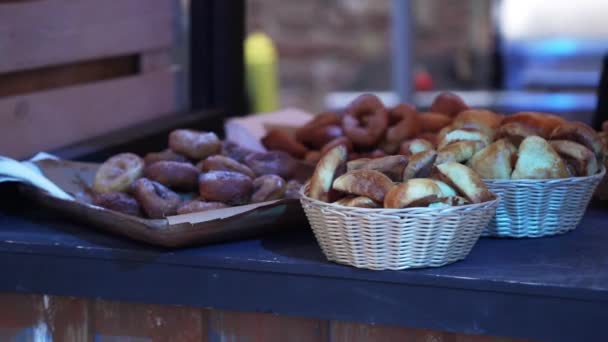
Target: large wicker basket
395	239
535	208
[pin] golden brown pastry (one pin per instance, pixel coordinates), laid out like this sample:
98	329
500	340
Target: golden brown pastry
450	201
271	163
577	157
325	172
582	134
156	200
418	192
464	180
276	139
541	123
538	160
433	138
172	174
481	120
459	151
223	163
315	132
433	122
193	144
463	134
268	188
391	166
229	187
496	161
365	121
338	141
165	155
195	206
515	132
118	201
368	183
407	126
414	146
449	104
446	190
358	201
118	173
419	165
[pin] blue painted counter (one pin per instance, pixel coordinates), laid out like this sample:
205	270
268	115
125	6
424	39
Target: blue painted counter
549	289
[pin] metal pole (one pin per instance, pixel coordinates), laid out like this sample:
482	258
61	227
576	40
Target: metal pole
402	50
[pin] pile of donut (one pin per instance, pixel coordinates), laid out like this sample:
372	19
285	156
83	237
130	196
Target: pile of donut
198	172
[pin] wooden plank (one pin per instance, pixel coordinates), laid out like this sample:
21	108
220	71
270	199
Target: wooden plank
55	118
67	318
23	82
251	327
358	332
132	321
50	32
19	311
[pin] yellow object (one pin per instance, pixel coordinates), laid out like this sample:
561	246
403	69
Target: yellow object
261	72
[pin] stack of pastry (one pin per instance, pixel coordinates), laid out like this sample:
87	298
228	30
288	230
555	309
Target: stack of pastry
197	173
394	182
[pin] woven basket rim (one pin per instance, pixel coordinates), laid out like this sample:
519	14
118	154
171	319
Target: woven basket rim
392	211
600	174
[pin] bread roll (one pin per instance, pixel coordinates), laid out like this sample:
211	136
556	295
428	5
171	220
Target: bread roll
463	134
577	157
482	120
541	123
420	165
391	166
323	177
538	160
446	190
433	122
430	137
496	161
464	180
515	132
414	146
415	192
459	152
582	134
368	183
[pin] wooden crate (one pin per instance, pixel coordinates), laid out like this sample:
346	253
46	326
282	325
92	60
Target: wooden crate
71	70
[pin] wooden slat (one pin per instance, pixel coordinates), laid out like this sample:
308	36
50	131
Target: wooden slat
49	32
151	322
67	318
18	311
250	327
46	120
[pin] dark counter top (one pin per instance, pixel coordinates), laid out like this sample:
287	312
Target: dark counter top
552	288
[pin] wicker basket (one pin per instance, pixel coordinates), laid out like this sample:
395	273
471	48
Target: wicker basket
601	192
535	208
395	239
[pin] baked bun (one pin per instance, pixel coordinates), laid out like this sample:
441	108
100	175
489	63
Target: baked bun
414	146
358	201
446	190
449	104
463	134
538	160
418	192
541	123
481	120
495	161
433	122
391	166
578	158
433	138
582	134
368	183
515	132
419	165
325	172
464	180
459	152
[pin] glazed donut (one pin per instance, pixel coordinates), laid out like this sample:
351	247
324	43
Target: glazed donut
118	173
365	121
165	155
193	144
195	206
433	122
448	104
407	126
229	187
172	174
320	130
235	151
277	139
222	163
268	188
118	201
156	200
271	163
338	141
292	189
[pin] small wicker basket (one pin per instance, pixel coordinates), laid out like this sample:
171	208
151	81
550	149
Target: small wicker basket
536	208
601	192
395	239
